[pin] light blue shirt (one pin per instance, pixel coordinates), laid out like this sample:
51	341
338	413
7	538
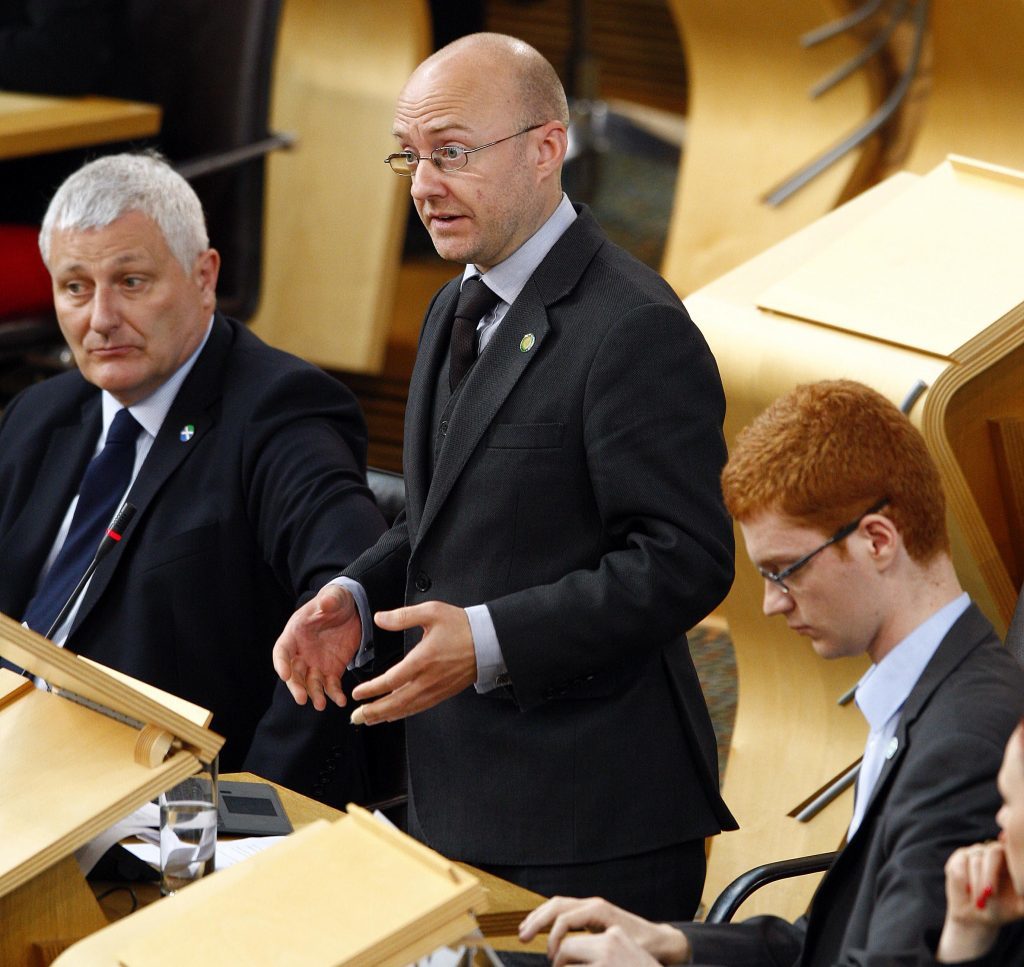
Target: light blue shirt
150	414
506	280
883	690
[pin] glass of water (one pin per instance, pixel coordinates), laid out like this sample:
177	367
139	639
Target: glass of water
188	832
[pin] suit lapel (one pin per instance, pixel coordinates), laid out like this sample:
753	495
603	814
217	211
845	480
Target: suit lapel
418	419
68	452
192	407
966	634
518	341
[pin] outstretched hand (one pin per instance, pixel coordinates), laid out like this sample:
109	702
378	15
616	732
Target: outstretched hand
316	646
620	937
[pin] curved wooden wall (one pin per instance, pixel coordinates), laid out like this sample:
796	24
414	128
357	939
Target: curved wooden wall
751	124
908	282
975	100
335	215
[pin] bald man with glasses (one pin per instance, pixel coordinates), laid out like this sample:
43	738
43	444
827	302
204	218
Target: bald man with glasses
563	527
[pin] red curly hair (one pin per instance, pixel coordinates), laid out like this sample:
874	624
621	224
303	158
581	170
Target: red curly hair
825	452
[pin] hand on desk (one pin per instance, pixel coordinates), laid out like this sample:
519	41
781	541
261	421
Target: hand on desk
322	637
618	937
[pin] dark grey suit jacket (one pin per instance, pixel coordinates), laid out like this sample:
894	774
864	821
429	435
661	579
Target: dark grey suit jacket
234	527
884	897
575	494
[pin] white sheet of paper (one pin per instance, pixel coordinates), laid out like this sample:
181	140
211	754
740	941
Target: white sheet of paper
143	823
229	851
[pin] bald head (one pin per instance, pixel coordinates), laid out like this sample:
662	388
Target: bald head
501	104
531	85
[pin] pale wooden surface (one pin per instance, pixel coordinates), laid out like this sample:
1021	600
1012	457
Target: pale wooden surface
976	97
314	870
507	903
903	275
46	914
65	670
751	124
194	713
381	898
790	736
33	124
335	214
68	774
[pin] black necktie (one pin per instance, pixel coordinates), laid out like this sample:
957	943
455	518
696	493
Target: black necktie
103	485
475	301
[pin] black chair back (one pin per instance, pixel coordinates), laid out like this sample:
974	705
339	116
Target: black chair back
388	490
210	66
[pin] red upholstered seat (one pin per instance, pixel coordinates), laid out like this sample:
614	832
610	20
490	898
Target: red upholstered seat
24	281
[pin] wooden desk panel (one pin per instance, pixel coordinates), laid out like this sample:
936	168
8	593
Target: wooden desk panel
32	124
507	903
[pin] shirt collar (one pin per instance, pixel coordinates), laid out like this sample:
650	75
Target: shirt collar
508	278
151	412
884	688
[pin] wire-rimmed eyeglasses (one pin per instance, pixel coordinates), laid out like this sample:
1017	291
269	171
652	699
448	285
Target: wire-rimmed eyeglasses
449	157
779	580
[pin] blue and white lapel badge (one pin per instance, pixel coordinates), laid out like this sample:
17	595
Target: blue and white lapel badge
187	432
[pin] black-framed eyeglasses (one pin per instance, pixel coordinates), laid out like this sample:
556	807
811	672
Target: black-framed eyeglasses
779	580
449	157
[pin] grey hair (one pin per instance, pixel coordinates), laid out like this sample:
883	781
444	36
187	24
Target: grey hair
103	190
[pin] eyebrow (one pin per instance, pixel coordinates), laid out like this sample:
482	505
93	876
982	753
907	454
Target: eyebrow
435	129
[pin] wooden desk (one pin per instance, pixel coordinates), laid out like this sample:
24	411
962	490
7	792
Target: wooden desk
507	905
31	124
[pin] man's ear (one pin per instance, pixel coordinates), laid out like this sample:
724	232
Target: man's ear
884	538
205	273
551	148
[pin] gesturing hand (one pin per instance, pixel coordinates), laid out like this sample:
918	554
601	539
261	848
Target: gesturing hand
316	646
441	665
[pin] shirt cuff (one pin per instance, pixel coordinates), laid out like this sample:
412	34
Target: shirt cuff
365	654
491	672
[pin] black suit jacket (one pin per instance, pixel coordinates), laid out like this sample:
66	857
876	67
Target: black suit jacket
576	495
234	527
884	897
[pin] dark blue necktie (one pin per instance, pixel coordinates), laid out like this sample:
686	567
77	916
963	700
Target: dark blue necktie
105	481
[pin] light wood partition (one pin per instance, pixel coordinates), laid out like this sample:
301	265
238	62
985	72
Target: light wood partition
752	123
354	892
907	283
335	215
976	90
74	760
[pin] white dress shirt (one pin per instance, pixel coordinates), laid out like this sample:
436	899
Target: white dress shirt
883	690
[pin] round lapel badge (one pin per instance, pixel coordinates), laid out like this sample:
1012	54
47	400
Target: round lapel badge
527	342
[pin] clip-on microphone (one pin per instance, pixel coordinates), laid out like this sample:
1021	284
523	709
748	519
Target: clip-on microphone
115	530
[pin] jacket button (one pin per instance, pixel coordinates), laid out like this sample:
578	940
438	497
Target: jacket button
422	582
